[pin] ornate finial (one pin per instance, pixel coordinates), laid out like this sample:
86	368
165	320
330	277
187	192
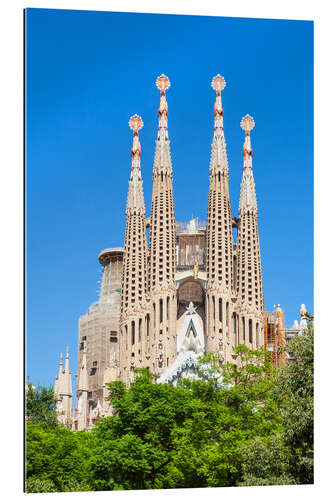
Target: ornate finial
67	352
218	83
247	123
135	123
163	83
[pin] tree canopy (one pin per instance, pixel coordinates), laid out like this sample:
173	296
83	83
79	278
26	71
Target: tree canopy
243	424
40	405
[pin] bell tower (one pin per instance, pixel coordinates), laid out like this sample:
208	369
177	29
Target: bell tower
162	262
219	242
134	309
250	297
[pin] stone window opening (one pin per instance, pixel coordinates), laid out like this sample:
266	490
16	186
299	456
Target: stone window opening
133	333
250	331
113	336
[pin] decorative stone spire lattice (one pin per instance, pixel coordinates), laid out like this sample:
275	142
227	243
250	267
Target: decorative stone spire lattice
219	242
134	281
250	297
163	84
219	160
135	199
162	262
248	194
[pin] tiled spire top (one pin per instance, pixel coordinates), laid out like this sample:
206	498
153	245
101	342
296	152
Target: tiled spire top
247	124
135	198
135	123
218	159
218	84
248	200
163	84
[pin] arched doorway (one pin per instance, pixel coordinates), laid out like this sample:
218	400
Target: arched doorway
191	290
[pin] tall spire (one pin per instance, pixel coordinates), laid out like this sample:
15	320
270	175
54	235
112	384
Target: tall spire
162	263
219	241
248	200
59	376
162	160
67	375
63	391
134	278
219	160
61	364
67	360
250	297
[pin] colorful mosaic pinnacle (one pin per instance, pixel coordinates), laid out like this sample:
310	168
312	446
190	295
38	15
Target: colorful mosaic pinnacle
163	83
218	83
135	123
247	123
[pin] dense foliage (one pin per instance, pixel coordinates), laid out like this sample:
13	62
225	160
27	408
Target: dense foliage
40	405
244	424
57	459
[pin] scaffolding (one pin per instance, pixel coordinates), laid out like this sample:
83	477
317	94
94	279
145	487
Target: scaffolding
275	336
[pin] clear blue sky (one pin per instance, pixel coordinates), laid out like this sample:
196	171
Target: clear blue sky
87	73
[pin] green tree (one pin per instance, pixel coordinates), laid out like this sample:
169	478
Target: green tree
57	458
287	458
40	405
295	387
242	423
265	462
190	435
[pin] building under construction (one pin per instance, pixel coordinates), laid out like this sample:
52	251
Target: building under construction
277	335
189	288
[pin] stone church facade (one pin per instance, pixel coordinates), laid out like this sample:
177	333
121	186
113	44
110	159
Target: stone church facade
191	290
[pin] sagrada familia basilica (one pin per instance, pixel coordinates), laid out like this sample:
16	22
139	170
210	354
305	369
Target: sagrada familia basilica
190	290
